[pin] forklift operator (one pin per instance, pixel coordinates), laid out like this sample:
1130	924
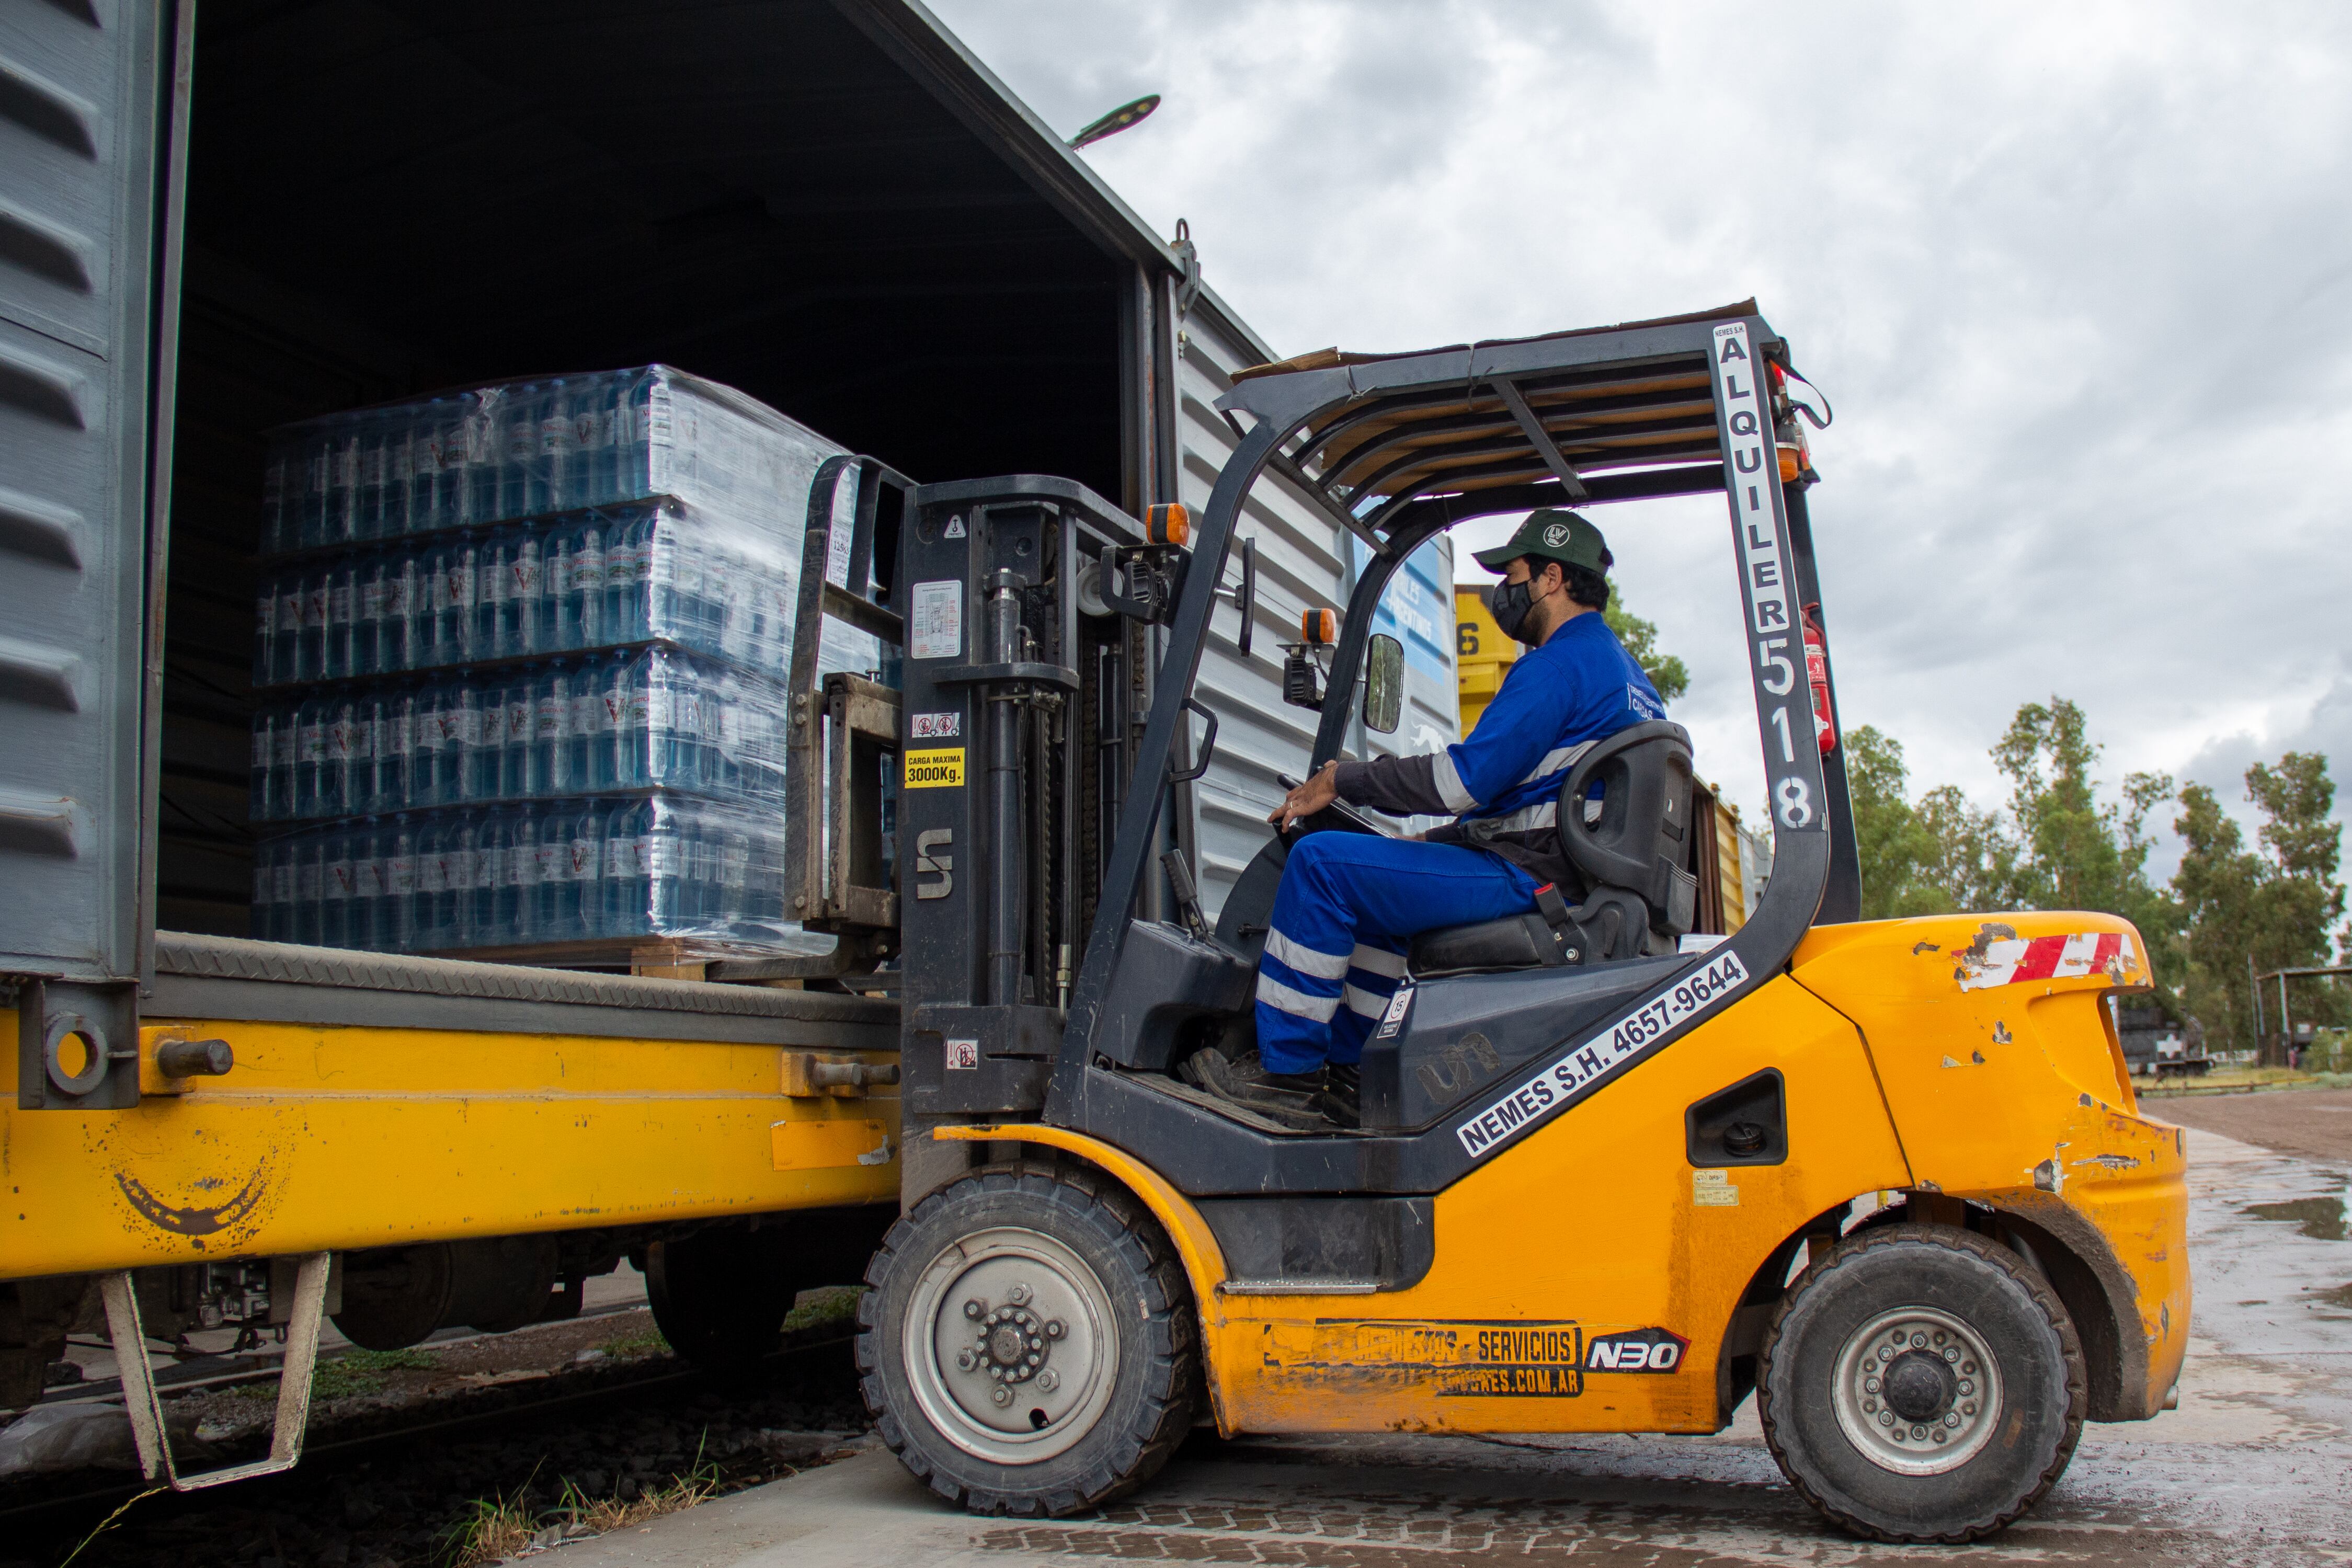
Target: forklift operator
1348	903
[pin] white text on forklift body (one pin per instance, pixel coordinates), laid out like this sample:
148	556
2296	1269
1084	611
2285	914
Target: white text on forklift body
1550	1090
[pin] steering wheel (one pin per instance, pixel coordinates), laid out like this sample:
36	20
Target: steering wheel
1336	817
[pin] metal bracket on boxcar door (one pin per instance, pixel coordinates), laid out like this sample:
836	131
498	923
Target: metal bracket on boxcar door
146	1406
77	1045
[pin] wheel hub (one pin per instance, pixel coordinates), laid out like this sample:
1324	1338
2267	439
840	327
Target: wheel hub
1011	1345
1917	1391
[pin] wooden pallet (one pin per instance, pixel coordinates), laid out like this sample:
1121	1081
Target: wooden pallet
648	957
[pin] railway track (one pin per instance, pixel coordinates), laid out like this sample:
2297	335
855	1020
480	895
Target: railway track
393	1482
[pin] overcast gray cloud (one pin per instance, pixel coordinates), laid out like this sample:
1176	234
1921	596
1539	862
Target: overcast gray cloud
2077	277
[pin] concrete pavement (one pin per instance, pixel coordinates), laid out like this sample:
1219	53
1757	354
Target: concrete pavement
2251	1468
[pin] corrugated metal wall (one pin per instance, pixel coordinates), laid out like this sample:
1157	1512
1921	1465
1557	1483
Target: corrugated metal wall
1304	559
78	219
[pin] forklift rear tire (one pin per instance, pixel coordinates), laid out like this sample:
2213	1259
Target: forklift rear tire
1029	1346
1922	1384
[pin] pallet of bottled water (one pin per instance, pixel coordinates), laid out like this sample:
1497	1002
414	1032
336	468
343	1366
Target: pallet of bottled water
545	873
492	619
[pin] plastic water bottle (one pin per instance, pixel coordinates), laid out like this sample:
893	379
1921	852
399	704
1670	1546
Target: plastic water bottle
581	611
550	772
519	900
303	924
265	630
311	639
285	637
493	925
585	824
310	758
341	779
368	433
518	448
526	586
335	884
260	920
269	780
589	482
513	709
622	887
408	606
494	571
366	886
468	736
482	445
669	847
627	578
629	706
472	874
555	908
395	919
339	632
553	408
438	482
451	571
588	736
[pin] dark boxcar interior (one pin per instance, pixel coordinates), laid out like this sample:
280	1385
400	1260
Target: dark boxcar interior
389	198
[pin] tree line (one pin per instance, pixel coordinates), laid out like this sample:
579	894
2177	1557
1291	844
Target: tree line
2060	842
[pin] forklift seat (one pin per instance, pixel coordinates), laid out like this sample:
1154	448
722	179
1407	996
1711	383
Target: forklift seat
1628	842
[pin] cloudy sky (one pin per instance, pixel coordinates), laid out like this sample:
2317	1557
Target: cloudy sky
2078	279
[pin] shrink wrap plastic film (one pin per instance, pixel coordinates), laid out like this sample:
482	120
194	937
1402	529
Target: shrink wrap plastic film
651	866
568	601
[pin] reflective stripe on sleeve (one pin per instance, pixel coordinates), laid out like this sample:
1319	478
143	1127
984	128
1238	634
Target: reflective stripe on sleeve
1449	784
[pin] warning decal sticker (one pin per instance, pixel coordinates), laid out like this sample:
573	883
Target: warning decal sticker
1472	1359
935	770
935	626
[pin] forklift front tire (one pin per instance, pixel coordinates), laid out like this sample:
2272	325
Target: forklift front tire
1922	1384
1029	1345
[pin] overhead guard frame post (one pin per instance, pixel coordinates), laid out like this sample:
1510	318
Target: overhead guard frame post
1205	1158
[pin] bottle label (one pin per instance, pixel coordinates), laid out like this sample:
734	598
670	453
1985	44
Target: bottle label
283	879
265	615
461	586
397	597
371	464
521	440
371	597
618	852
663	857
461	726
427	454
400	875
339	602
492	584
555	434
432	733
587	568
281	746
313	742
553	862
588	713
521	866
432	873
289	611
583	861
347	465
306	877
636	707
518	721
399	731
525	574
314	606
337	884
265	743
367	879
554	713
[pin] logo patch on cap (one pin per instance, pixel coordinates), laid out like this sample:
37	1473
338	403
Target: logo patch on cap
1556	535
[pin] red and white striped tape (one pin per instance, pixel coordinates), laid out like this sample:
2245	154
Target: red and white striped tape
2017	960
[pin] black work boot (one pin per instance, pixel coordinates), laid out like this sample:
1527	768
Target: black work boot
1342	1099
1288	1097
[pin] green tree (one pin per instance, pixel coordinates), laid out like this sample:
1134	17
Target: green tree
1900	854
1666	671
2251	910
2074	850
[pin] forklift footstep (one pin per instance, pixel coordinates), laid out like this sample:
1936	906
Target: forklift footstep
1177	1089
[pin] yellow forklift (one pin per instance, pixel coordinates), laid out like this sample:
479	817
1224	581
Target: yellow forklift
1613	1173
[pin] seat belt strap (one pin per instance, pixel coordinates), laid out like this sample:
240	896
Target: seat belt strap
1553	907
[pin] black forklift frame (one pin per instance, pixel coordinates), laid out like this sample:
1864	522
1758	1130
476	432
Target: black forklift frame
1408	440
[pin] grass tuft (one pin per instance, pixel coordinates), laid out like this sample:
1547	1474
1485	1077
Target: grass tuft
495	1528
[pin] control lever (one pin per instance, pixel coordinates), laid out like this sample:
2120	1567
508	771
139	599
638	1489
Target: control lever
1187	896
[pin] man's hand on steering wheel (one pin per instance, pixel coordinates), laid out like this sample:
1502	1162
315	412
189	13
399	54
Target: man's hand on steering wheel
1318	792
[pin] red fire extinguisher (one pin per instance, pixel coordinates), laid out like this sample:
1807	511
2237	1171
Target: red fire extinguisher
1816	672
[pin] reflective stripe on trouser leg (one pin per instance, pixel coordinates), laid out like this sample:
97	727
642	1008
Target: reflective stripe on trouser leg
1373	970
1346	904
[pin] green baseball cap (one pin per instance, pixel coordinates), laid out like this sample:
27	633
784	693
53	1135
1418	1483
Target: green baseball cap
1552	534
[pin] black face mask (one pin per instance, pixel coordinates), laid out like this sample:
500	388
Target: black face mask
1512	603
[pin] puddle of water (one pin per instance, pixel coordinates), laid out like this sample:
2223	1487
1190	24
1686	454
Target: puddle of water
2321	1219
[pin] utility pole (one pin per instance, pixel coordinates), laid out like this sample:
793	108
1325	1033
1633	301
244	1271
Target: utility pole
2254	989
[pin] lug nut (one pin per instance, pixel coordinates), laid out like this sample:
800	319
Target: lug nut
1951	1420
999	1394
1951	1354
965	1360
1967	1387
1918	1342
1054	1328
1018	1295
1048	1381
1969	1367
1940	1435
1870	1385
1886	1417
1970	1408
973	1308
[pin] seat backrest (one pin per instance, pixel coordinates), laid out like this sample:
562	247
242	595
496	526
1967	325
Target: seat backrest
1640	837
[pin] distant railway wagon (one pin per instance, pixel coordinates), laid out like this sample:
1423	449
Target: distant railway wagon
221	220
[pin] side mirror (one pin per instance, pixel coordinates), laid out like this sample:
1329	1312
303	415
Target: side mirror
1383	684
